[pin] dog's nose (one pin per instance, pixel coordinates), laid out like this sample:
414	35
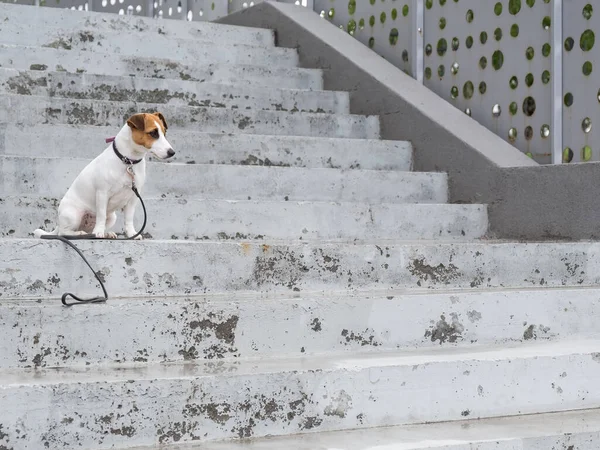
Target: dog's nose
170	153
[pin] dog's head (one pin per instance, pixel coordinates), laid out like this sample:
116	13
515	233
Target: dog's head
148	134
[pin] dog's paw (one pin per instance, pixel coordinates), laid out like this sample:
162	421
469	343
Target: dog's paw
99	234
111	235
139	238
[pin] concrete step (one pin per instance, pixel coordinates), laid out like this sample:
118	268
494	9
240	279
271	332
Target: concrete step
148	45
51	177
162	404
34	110
34	268
209	148
233	325
256	220
74	61
35	20
176	92
569	430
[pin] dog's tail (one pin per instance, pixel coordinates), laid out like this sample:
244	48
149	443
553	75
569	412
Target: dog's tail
39	232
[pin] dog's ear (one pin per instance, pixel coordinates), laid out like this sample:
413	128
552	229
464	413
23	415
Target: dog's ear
162	118
137	122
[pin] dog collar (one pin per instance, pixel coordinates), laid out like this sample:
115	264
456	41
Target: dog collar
125	159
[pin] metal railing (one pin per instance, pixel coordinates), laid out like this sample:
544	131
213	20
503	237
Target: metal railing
525	69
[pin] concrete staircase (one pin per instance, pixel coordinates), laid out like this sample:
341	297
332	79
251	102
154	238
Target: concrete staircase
297	276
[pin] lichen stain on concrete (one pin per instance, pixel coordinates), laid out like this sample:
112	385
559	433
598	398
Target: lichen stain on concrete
533	332
211	335
279	267
363	339
340	405
437	274
474	316
23	83
315	325
444	332
4	440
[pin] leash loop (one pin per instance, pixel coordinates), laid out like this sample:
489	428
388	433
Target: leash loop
67	240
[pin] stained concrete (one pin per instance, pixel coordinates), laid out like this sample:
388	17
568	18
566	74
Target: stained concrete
152	404
127	43
232	325
76	61
33	110
51	177
565	431
177	92
197	147
44	269
37	20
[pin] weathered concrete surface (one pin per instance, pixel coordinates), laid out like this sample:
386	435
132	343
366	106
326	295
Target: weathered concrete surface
51	177
233	325
568	430
195	147
525	200
156	404
177	92
247	220
45	269
44	59
148	45
33	110
35	20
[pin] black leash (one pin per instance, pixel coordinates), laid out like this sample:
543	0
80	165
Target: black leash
67	240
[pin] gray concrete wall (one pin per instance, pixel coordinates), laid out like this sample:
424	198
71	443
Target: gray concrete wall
526	200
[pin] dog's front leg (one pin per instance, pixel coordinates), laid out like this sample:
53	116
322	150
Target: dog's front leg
101	205
129	211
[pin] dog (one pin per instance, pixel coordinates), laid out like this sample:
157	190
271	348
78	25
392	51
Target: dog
104	186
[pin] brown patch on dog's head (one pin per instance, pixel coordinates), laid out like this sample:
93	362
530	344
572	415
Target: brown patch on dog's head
162	121
144	129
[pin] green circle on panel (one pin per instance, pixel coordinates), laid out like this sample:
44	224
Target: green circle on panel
529	106
586	153
546	49
352	7
529	53
497	60
468	90
442	46
568	99
545	77
587	40
569	44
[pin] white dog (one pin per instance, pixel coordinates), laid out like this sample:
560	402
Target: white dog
104	185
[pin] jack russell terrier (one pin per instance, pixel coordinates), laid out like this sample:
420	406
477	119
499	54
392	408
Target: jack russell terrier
104	185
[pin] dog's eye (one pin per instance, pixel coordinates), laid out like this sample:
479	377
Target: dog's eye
154	134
